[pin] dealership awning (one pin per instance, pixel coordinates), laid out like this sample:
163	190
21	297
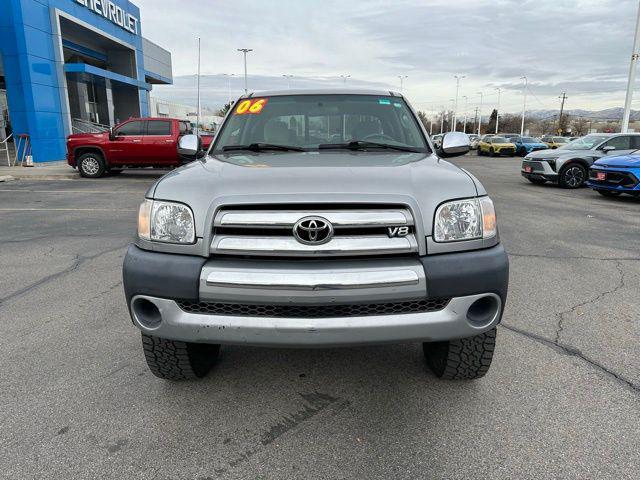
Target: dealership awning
99	72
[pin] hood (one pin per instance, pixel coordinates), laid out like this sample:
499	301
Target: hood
628	161
536	144
84	136
419	180
553	153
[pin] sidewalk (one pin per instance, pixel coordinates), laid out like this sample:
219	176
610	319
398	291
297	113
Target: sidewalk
52	171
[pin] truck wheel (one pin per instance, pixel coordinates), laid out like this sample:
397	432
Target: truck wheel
609	193
462	359
572	176
175	360
91	165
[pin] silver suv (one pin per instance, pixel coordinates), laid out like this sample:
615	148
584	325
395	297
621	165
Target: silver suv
317	218
568	165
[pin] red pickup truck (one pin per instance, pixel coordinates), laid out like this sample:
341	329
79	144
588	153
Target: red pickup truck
138	142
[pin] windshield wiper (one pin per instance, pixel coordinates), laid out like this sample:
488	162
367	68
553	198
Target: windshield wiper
259	147
362	145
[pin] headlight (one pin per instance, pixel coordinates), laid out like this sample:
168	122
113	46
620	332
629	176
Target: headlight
468	219
166	222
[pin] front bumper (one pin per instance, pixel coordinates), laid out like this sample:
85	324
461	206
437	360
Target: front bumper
157	284
540	170
624	181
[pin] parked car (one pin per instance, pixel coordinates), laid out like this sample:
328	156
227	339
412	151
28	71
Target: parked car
568	166
277	238
437	140
135	143
526	145
555	142
496	146
474	140
509	136
614	176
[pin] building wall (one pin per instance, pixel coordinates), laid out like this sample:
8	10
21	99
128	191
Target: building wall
34	67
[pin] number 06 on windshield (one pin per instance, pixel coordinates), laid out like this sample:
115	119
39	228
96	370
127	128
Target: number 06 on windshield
253	106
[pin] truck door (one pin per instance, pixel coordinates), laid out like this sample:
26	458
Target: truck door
127	147
161	142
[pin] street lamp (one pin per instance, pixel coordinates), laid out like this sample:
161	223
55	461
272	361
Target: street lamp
464	125
402	77
344	78
632	78
229	75
442	120
455	109
524	104
288	77
452	115
245	51
498	109
480	113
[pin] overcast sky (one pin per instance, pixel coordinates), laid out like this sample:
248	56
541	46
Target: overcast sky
581	47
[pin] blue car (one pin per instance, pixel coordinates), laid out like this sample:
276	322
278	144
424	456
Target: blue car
526	145
613	176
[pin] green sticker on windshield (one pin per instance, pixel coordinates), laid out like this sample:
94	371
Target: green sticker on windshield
397	105
384	101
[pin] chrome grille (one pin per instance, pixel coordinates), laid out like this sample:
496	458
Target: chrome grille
269	232
313	311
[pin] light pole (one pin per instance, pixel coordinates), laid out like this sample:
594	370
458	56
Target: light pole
245	51
229	75
498	109
632	78
431	126
198	106
288	77
442	121
452	115
344	78
464	125
455	109
402	77
480	113
524	104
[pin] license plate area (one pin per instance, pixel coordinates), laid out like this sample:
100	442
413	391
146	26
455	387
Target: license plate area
601	176
528	169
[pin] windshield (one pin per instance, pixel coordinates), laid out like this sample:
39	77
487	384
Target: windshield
585	143
308	121
499	140
530	140
560	140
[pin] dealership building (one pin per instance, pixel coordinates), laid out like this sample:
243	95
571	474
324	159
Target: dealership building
69	66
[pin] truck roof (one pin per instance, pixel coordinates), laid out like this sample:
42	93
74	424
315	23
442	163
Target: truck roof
323	91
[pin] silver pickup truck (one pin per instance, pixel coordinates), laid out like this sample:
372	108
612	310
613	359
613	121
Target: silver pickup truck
318	218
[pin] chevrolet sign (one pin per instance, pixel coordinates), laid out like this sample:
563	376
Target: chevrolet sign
113	13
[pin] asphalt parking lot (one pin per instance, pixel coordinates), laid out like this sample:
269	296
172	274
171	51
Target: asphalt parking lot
562	399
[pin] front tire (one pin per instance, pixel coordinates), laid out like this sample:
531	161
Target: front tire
572	176
461	359
175	360
91	165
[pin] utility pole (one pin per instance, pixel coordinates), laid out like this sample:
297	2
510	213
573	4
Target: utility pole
562	97
480	113
402	77
632	77
464	125
229	75
198	106
455	108
475	119
245	51
498	109
288	77
524	104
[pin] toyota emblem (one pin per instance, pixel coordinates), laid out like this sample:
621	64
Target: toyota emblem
313	230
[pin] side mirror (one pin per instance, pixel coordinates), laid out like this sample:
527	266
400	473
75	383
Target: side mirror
454	144
608	149
189	147
112	137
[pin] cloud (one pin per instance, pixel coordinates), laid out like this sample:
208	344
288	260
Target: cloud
581	46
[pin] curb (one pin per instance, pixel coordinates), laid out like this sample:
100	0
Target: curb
6	178
61	176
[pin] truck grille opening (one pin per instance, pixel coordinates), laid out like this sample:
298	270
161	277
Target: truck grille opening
313	311
356	230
